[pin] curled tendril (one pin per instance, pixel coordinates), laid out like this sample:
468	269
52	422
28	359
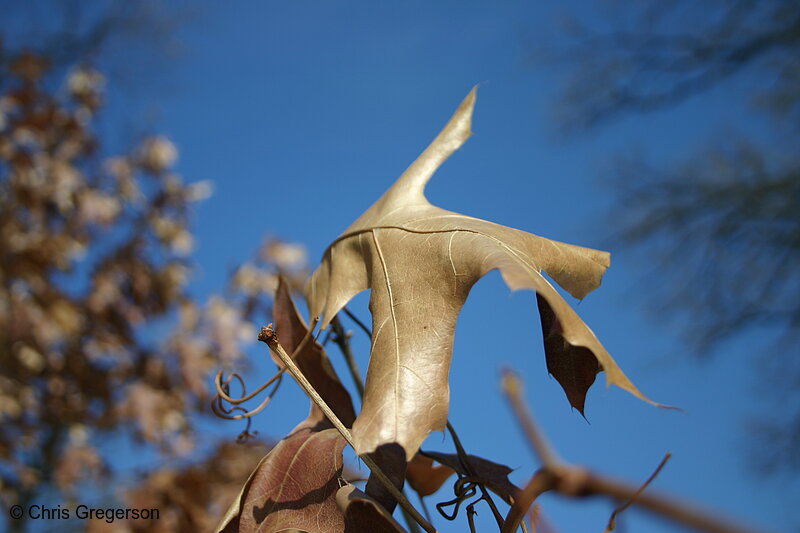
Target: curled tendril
463	488
246	435
234	411
223	387
219	409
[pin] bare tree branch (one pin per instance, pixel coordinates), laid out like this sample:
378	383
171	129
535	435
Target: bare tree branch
577	482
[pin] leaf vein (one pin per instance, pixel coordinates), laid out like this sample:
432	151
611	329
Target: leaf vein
394	324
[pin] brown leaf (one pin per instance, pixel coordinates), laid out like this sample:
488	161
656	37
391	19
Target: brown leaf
294	486
312	360
574	367
424	477
298	486
491	474
362	514
420	263
314	364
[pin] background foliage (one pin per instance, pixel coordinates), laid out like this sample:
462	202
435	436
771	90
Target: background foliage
730	211
264	72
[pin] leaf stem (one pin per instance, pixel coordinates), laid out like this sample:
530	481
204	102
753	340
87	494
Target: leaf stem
268	336
340	338
358	321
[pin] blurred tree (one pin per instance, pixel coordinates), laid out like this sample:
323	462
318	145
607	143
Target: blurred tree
723	228
120	38
100	340
191	498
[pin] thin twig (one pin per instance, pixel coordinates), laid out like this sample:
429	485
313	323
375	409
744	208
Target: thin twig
222	388
424	507
541	482
612	521
413	527
340	338
355	319
465	462
674	510
512	386
578	482
268	336
306	338
533	516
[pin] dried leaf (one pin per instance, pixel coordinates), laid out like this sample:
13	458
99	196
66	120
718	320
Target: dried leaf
491	474
298	486
424	477
420	263
295	485
574	367
363	514
312	360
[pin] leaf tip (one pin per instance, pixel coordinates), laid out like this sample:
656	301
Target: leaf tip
459	127
613	378
467	107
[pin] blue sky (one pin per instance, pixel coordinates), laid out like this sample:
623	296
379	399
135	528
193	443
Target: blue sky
303	113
